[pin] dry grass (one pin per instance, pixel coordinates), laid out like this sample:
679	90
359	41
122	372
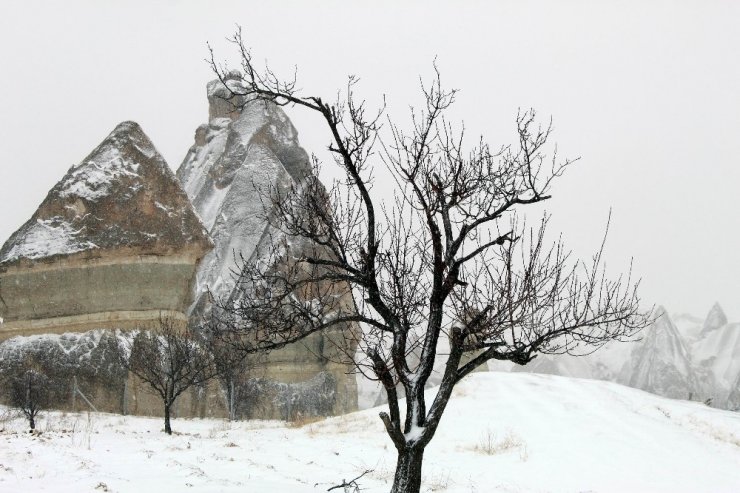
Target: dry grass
491	444
302	421
436	481
6	416
221	429
716	433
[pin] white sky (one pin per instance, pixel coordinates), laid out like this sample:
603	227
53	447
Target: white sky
647	95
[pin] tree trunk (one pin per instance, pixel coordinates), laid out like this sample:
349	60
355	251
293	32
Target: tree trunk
167	427
408	471
32	422
232	414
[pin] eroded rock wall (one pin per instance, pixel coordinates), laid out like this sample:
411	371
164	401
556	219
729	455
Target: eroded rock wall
90	362
246	149
115	244
83	294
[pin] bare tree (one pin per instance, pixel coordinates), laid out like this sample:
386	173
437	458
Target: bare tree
3	304
446	266
170	360
29	392
231	365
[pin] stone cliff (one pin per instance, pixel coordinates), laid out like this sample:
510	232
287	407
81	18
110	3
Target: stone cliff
246	148
121	241
115	244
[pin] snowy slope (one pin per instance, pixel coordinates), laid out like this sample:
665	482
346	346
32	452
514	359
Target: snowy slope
501	432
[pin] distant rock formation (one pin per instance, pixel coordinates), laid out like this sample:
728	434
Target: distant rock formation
246	148
733	399
661	363
115	244
716	357
678	356
716	318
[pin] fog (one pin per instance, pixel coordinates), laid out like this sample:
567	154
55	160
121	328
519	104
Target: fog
646	95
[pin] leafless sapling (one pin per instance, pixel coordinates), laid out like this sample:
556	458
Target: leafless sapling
29	393
231	365
170	360
444	266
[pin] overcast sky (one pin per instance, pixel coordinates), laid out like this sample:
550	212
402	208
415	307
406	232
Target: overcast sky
647	95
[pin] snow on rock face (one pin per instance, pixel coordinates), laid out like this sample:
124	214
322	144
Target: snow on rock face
314	397
221	100
121	195
91	358
246	148
43	236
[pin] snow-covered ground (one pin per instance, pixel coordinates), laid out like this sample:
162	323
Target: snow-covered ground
502	432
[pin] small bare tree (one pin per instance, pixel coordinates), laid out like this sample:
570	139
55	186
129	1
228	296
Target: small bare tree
29	393
231	365
170	360
445	266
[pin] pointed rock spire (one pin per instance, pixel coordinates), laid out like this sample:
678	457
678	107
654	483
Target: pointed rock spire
245	147
716	318
122	195
661	361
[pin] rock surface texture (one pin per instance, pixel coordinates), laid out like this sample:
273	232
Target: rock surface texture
115	244
88	364
245	149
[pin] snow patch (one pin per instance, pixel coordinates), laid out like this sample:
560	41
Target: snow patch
576	435
48	236
92	180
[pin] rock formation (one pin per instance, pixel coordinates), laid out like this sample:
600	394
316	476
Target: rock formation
115	244
246	148
716	318
88	364
679	356
661	364
733	399
716	356
237	154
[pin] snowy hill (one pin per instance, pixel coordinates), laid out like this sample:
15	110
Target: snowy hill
678	356
502	432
